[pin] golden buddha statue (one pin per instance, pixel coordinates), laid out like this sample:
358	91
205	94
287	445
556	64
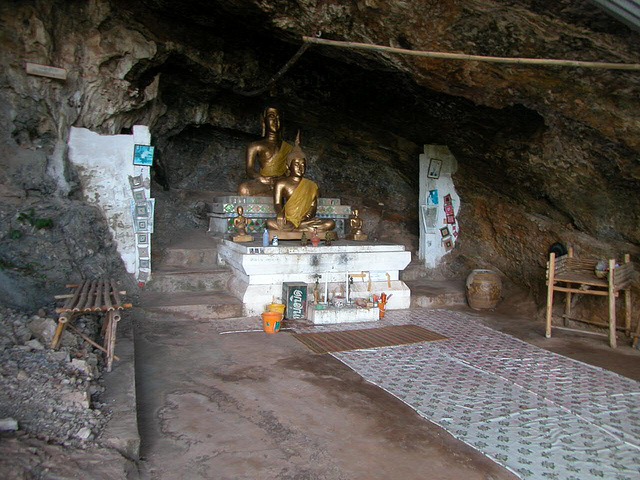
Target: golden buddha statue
240	224
266	158
296	200
355	222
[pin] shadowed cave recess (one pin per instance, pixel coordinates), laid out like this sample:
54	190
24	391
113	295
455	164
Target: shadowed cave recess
545	154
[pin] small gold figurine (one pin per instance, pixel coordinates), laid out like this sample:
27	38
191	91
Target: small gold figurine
355	222
296	200
240	224
266	159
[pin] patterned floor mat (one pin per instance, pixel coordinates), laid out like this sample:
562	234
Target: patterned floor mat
541	415
325	342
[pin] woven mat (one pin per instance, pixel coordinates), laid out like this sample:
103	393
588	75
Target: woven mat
325	342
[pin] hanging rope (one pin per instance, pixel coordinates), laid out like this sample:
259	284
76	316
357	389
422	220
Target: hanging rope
278	75
475	58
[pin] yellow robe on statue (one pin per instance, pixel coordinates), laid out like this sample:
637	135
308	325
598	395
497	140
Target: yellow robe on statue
300	201
277	166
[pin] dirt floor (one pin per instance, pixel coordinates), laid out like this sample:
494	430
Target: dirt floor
252	405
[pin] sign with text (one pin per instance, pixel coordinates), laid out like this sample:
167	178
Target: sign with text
46	71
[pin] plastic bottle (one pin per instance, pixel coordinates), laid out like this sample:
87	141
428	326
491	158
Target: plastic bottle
265	238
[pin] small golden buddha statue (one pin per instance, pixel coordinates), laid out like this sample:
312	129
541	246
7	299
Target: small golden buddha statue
296	200
266	158
355	222
240	224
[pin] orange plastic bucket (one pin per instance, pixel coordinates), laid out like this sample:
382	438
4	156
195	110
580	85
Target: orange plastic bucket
275	307
271	321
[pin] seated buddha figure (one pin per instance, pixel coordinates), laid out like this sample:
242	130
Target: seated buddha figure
266	158
296	199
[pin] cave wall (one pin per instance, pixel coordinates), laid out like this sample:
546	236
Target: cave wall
544	154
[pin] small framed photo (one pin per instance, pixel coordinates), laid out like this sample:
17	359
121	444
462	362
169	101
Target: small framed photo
143	155
139	195
142	210
451	219
448	244
433	197
434	168
142	225
143	238
444	231
143	252
448	209
447	199
135	182
145	263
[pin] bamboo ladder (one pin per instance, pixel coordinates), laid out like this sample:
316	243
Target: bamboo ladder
572	275
92	296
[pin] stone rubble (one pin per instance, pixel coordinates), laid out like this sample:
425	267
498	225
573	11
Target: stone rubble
50	395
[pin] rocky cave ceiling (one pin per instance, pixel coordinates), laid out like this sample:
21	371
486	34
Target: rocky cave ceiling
544	153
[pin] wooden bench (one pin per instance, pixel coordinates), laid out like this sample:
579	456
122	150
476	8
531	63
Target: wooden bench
92	296
572	275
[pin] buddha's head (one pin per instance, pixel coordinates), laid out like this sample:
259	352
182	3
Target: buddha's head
297	160
356	212
240	210
270	121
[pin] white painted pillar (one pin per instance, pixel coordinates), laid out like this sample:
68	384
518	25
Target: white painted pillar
438	204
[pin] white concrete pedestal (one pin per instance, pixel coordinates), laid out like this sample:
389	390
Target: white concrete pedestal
348	314
260	271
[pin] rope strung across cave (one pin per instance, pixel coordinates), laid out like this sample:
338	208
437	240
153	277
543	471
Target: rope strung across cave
307	41
475	58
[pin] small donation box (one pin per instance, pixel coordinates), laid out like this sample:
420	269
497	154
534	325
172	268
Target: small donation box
294	296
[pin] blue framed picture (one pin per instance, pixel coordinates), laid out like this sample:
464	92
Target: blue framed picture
143	155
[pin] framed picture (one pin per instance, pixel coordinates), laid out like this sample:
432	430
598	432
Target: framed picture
444	231
143	155
451	219
448	209
144	263
447	199
429	218
432	198
143	276
143	252
135	182
448	243
434	168
141	210
143	238
139	195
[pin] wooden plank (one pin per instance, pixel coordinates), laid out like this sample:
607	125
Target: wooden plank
88	305
116	297
550	289
107	297
83	296
577	290
627	298
612	305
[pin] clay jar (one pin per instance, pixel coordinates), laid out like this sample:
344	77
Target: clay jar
484	289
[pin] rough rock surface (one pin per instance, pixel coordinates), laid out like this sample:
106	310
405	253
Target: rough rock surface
545	154
54	399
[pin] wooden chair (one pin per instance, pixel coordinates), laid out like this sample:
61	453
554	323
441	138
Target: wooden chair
571	275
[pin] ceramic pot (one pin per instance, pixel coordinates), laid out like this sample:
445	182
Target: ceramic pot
484	289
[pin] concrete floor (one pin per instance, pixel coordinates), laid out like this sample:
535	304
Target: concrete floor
258	406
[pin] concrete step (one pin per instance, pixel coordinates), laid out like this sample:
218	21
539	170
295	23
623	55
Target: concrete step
188	278
414	271
205	305
195	248
436	293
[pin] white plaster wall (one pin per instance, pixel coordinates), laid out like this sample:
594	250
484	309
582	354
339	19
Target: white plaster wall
104	164
432	247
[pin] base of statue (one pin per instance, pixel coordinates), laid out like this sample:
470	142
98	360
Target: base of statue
242	238
360	237
292	235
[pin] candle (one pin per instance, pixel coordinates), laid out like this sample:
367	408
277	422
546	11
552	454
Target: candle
326	287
